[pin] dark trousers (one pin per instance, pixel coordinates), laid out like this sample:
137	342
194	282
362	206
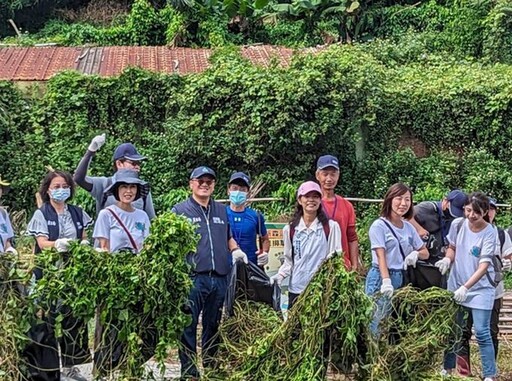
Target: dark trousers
207	296
42	352
466	334
292	298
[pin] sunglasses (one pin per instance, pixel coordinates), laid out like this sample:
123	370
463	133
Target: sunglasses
201	182
134	163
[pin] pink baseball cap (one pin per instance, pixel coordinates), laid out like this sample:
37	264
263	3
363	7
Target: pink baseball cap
308	186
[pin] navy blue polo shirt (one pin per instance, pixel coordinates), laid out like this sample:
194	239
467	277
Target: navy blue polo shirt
213	227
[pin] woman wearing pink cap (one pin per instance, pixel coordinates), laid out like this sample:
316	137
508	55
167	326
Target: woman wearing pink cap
309	239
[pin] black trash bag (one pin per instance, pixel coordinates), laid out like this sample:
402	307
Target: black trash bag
250	282
426	275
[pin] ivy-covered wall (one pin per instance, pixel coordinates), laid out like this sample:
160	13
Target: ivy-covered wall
274	122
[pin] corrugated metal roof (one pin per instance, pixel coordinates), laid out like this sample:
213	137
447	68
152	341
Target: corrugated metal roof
40	63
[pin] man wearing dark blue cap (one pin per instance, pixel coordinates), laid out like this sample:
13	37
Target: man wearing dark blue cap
246	224
125	156
211	264
338	209
432	220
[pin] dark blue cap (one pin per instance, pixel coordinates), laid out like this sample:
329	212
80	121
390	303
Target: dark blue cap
327	161
493	202
127	151
202	171
240	176
457	200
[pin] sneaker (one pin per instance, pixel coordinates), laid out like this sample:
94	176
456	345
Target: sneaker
72	374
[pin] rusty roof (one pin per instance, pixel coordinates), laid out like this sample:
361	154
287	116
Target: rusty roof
40	63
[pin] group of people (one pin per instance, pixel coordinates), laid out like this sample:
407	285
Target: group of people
454	235
421	244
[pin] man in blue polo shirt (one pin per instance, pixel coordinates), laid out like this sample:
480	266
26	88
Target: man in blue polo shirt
211	264
246	224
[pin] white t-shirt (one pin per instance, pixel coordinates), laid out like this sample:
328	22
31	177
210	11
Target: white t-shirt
38	225
6	231
502	252
382	238
107	226
471	249
310	249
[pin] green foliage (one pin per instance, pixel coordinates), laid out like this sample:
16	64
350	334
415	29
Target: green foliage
497	32
137	293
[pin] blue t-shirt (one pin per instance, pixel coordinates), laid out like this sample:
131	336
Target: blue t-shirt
245	229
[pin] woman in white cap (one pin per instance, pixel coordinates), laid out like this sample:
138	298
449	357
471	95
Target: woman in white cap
6	232
122	226
395	245
309	239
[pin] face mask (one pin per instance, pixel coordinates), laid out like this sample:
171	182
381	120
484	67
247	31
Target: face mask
60	194
238	197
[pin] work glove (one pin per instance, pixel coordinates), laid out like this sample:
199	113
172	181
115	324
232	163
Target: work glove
84	242
97	142
12	250
507	265
62	244
387	288
278	278
100	250
411	259
461	294
262	258
239	254
443	265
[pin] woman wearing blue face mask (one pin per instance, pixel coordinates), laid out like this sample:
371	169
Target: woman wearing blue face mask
246	224
54	225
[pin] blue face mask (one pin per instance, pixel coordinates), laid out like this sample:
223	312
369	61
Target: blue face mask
60	194
237	197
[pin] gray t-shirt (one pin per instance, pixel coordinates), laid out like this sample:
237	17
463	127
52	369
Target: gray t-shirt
99	184
107	226
38	226
382	237
6	231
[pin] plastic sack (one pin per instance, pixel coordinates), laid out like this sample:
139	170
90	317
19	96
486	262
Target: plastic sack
250	282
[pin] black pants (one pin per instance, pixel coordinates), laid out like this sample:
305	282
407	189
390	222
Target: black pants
292	298
495	319
42	353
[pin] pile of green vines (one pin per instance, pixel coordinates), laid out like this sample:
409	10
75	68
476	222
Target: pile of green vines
138	292
16	316
329	327
328	323
415	335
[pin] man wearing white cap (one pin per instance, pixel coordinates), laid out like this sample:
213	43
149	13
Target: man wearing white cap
125	156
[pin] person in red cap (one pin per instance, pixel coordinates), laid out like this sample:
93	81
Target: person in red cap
309	239
339	209
125	156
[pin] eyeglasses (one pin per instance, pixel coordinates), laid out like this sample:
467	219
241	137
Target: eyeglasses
133	163
201	182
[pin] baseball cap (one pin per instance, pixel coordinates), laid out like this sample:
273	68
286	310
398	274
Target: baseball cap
327	161
4	183
493	203
202	171
457	200
308	186
240	176
127	151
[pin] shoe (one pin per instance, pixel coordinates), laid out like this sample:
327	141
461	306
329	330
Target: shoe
489	379
72	374
464	366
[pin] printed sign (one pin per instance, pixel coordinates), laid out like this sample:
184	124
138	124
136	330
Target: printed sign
275	256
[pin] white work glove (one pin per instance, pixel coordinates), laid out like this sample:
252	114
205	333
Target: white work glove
461	294
97	142
507	265
100	250
278	278
84	242
443	265
12	250
387	288
239	254
411	259
62	244
262	258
